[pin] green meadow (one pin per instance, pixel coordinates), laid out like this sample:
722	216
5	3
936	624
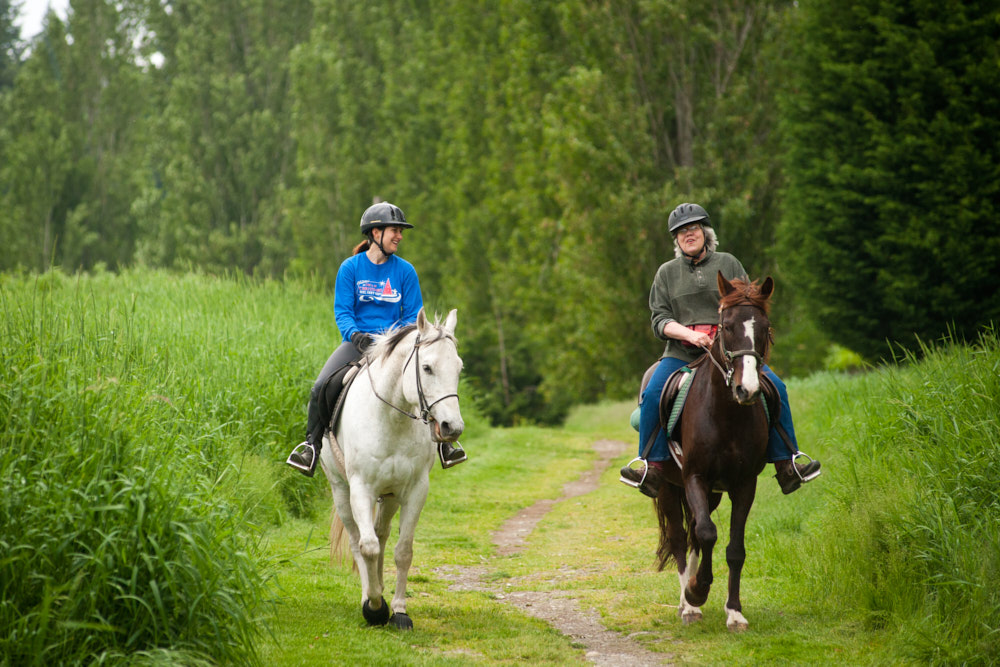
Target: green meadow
146	516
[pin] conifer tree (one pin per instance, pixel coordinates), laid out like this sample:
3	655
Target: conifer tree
892	225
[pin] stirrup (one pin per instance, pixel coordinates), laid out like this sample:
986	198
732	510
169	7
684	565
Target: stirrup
645	471
448	463
300	452
810	477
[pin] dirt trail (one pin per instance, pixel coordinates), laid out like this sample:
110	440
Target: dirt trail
603	647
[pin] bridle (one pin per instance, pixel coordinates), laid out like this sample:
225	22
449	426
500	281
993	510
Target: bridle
425	407
729	357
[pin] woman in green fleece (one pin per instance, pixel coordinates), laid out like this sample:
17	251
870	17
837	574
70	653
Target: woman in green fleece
684	302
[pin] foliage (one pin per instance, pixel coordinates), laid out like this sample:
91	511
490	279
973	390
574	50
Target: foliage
73	141
223	151
891	222
911	534
10	52
537	147
144	417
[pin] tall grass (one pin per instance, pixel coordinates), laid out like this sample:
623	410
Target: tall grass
913	536
143	419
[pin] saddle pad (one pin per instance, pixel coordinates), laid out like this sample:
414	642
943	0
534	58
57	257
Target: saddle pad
672	398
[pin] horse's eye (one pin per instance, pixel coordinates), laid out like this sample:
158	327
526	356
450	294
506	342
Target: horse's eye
427	369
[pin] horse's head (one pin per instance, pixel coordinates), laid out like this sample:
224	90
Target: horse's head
432	383
744	335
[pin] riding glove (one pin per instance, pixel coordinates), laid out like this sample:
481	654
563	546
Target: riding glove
361	341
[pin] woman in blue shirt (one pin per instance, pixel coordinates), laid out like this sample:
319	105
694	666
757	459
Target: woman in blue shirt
376	290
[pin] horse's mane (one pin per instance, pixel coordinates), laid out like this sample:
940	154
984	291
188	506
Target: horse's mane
384	344
745	293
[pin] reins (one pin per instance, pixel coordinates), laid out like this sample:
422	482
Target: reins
425	407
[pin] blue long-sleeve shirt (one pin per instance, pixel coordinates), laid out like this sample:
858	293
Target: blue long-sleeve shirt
373	298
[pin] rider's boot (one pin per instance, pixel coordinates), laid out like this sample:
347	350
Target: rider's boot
303	458
648	479
791	475
451	454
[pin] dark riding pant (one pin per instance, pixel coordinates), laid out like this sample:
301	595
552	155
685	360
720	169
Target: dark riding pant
649	415
323	396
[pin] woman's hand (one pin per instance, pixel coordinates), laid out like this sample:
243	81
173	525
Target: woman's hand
687	335
361	341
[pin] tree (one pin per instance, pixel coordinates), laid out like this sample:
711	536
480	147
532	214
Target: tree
38	145
10	51
893	118
74	136
222	149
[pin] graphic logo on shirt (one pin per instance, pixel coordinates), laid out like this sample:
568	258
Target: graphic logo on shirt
372	290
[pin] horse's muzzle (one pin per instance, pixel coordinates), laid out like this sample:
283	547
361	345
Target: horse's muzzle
447	431
744	397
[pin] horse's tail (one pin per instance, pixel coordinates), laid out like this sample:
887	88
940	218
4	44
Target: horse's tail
338	540
676	527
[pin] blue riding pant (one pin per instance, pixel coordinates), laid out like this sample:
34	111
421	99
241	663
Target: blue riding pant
649	415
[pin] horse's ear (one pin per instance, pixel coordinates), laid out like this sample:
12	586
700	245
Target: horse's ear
725	287
451	321
767	288
421	321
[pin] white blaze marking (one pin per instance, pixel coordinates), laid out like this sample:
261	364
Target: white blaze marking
750	380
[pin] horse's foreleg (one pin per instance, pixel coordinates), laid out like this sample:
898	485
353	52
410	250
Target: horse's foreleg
688	612
674	545
742	500
362	503
383	527
342	505
373	606
408	516
705	533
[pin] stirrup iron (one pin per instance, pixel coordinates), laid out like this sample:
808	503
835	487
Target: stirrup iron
302	450
645	471
807	478
456	447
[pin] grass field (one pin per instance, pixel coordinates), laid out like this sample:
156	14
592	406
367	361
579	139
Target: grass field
146	516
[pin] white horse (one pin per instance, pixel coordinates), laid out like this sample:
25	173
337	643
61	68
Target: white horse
401	403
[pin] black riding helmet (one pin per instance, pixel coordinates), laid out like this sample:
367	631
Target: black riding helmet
685	214
383	214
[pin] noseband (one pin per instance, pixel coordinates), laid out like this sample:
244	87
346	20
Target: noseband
729	358
425	407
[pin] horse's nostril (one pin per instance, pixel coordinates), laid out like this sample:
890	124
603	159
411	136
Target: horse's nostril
445	428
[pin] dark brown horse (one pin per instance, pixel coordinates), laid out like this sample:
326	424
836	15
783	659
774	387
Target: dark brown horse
723	435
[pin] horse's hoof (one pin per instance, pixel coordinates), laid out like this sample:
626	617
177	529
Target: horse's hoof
690	617
735	621
378	616
694	599
401	622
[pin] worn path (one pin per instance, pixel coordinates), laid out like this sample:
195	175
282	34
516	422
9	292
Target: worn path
561	610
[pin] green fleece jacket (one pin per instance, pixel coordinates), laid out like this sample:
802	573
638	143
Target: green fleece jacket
688	292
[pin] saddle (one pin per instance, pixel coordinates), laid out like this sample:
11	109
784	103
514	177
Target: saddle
674	396
343	378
